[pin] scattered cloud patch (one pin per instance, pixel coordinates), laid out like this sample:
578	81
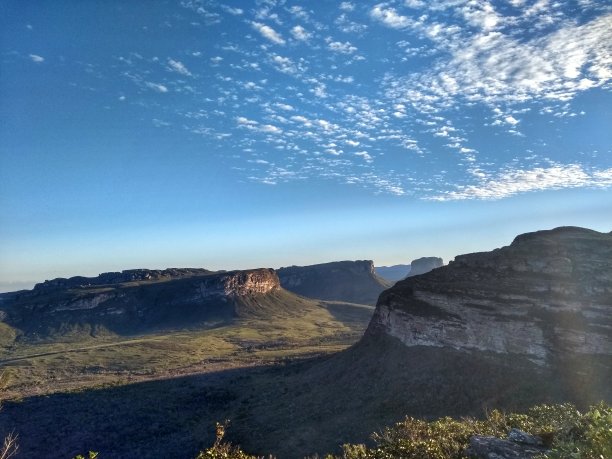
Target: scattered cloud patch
269	33
342	48
36	58
514	181
300	33
178	67
390	17
156	87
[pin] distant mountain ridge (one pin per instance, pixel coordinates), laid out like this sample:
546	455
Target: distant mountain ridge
143	300
352	281
416	267
127	275
392	273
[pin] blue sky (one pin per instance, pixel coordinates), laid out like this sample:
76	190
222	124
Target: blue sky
268	133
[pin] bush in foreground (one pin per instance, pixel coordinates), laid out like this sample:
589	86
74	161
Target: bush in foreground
567	433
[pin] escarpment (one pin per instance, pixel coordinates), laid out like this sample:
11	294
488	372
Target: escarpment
547	297
139	300
352	281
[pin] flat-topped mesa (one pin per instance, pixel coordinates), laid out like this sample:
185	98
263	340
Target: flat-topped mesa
424	265
352	281
111	278
193	297
546	296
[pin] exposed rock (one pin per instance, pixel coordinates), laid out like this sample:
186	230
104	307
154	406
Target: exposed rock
393	273
519	436
546	296
482	447
424	265
352	281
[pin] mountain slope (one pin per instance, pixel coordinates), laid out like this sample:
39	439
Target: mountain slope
351	281
129	305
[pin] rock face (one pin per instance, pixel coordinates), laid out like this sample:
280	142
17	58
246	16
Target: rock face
182	297
352	281
519	445
424	265
546	297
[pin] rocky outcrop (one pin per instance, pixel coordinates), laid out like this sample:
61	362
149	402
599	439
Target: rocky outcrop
352	281
545	297
519	445
424	265
240	283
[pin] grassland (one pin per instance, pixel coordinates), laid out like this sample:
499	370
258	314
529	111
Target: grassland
303	330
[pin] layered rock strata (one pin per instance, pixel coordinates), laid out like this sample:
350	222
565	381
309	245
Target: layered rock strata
546	296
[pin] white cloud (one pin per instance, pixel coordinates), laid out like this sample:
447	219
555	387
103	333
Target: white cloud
347	6
36	58
343	48
511	120
514	181
286	65
269	33
269	128
156	87
241	120
390	17
178	67
365	155
285	107
300	33
232	10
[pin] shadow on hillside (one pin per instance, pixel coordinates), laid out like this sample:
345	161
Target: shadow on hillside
290	410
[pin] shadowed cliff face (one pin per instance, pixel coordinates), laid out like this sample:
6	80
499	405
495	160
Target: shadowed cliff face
352	281
191	297
546	296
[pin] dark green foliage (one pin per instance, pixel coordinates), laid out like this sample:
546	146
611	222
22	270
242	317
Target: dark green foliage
571	435
222	449
90	455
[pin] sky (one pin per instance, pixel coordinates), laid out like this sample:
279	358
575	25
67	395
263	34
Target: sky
268	133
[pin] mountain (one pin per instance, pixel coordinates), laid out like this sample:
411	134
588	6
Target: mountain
546	297
524	324
424	265
392	273
138	301
417	267
351	281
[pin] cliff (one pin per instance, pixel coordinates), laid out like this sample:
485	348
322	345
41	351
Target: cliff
424	265
545	297
351	281
117	304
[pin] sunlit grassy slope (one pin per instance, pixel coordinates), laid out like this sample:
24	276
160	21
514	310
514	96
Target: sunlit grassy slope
267	330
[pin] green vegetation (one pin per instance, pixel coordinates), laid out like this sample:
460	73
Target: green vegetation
567	433
293	328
